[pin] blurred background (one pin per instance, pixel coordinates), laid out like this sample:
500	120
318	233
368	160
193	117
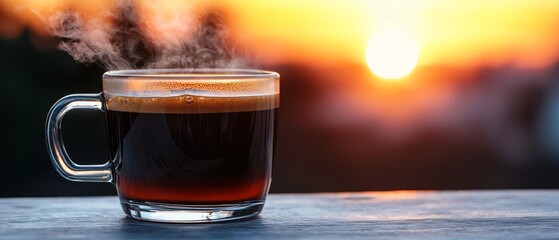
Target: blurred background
375	95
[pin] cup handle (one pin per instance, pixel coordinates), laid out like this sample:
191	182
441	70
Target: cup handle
57	152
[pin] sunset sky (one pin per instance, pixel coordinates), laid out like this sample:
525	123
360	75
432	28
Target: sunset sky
456	33
464	33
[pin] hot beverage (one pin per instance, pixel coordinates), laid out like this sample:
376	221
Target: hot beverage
192	149
186	145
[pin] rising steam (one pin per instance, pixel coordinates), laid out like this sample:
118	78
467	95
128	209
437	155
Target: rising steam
125	39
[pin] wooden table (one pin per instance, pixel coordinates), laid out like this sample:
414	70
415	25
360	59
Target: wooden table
361	215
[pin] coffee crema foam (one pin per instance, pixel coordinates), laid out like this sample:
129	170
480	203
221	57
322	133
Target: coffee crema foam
191	103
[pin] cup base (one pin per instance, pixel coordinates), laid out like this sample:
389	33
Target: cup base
177	213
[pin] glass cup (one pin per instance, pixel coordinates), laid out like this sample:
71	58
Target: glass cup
186	145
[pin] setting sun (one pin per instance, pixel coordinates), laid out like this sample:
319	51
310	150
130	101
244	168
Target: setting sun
392	53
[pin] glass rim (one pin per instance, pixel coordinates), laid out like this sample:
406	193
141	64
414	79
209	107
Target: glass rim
192	74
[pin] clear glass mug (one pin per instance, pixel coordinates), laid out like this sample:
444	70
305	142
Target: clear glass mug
186	145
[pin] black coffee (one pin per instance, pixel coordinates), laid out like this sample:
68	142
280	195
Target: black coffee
192	150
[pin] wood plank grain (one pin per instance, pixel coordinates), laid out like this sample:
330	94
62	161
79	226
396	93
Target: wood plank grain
363	215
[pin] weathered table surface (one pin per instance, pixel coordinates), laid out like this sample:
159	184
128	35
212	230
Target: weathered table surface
362	215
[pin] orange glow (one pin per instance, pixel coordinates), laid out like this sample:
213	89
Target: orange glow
396	195
168	22
453	33
382	195
30	12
